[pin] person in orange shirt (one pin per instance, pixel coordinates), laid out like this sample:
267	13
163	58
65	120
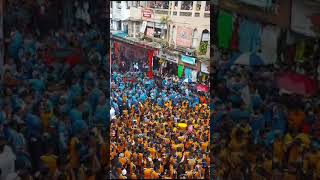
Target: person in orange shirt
147	173
74	154
153	152
127	153
154	175
122	159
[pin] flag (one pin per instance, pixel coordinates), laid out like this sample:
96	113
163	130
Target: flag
180	71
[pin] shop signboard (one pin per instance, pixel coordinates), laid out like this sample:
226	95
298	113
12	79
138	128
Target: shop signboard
169	57
184	36
188	59
147	13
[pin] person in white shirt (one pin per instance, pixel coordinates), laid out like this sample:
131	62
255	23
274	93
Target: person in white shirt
7	159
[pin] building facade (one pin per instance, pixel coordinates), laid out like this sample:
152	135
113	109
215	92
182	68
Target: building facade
182	28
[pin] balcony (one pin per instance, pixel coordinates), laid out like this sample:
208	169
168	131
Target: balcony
187	13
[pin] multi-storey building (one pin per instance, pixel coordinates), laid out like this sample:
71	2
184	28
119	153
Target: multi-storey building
179	31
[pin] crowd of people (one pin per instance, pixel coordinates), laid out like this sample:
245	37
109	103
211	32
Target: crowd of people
160	128
274	136
54	112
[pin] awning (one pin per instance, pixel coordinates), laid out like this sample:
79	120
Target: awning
121	34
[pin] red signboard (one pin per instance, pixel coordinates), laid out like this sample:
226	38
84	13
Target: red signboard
184	36
147	13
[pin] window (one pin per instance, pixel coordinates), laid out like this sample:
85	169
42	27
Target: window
151	4
134	3
175	5
207	8
186	5
174	34
205	35
159	4
118	4
138	26
194	38
198	6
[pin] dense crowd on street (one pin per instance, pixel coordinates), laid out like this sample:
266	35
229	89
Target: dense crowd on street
273	136
160	128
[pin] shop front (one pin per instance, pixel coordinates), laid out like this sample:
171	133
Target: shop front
204	71
168	62
188	68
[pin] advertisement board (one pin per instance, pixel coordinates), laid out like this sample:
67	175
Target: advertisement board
168	57
184	36
147	13
188	59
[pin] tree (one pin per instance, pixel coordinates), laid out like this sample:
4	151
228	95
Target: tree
166	20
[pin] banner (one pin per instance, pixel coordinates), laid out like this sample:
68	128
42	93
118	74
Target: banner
132	52
150	32
116	49
150	58
143	26
180	71
184	36
188	59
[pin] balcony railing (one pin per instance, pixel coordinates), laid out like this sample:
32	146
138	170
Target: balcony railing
206	15
185	13
161	11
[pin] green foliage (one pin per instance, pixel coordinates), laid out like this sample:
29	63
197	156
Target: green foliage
203	48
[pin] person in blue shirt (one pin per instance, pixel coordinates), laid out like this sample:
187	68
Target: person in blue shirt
15	44
76	112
